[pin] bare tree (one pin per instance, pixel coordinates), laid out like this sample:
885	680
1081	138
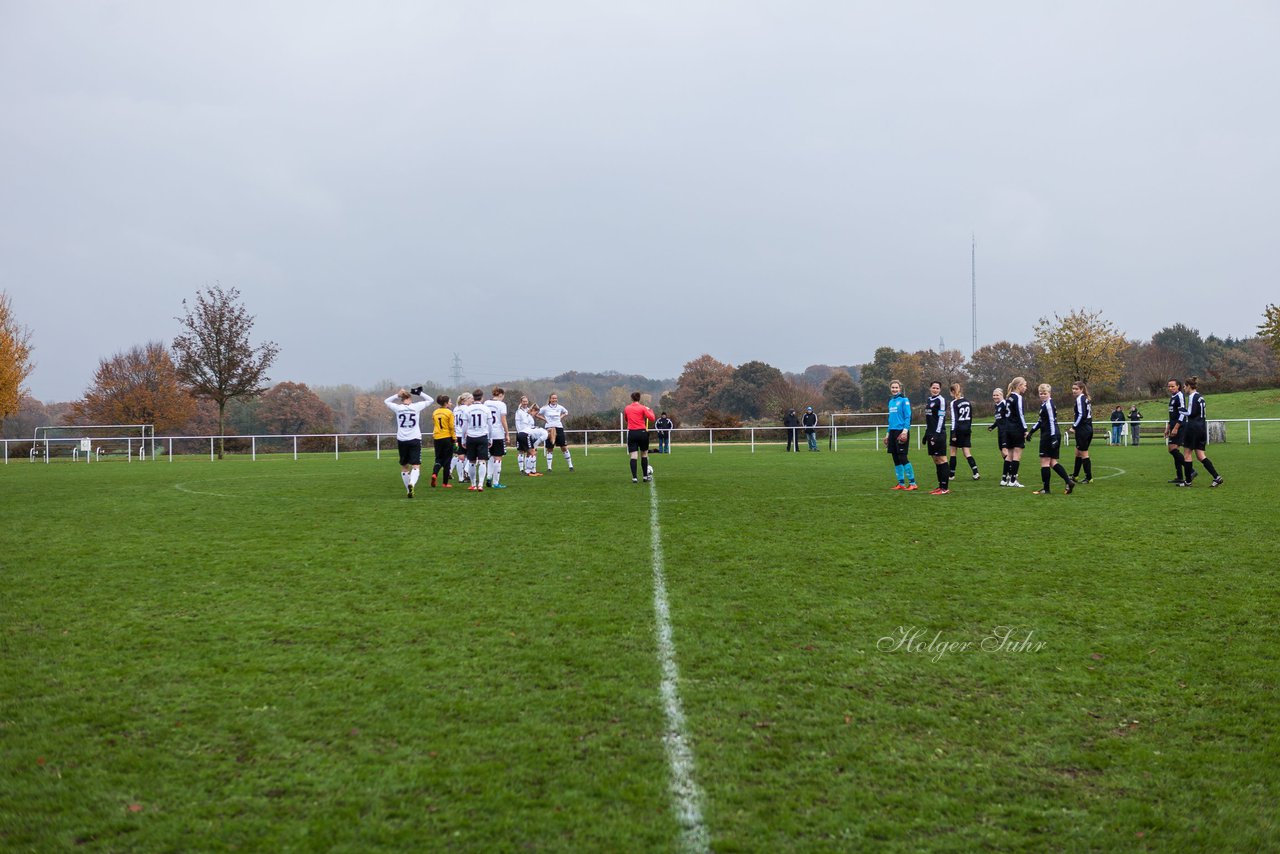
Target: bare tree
214	355
15	358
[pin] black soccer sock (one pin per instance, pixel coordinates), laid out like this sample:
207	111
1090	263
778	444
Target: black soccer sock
1188	469
1014	465
1177	463
1044	476
943	475
1062	472
952	466
1088	468
633	468
1075	470
1208	466
973	464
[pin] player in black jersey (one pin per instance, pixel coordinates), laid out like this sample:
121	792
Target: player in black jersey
1082	426
1196	435
1050	442
1177	416
1017	429
961	430
1001	425
935	434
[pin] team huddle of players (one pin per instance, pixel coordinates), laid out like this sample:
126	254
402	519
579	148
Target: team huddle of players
470	438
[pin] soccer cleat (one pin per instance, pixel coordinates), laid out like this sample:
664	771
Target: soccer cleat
951	476
1194	474
1041	492
1071	485
1217	481
446	486
975	475
433	480
648	478
535	474
911	487
570	468
473	489
1014	483
1178	482
1004	481
900	486
940	491
633	480
499	486
410	495
1183	484
1086	480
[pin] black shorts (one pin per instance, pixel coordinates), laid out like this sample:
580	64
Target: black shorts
1174	439
498	448
1084	437
936	444
962	437
410	452
477	448
1002	438
638	440
522	443
444	450
560	442
1194	435
896	449
1051	446
1015	438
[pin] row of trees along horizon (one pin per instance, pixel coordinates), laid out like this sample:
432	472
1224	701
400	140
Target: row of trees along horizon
213	380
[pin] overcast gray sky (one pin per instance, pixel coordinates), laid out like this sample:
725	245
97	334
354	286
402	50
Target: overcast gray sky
552	186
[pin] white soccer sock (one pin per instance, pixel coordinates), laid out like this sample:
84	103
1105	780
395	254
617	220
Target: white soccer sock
413	476
404	477
480	474
568	459
495	470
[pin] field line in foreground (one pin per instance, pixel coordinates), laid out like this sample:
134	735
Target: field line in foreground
686	795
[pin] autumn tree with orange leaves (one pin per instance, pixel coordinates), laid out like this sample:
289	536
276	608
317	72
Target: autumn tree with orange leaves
138	386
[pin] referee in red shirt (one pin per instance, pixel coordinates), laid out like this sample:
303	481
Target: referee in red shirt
638	417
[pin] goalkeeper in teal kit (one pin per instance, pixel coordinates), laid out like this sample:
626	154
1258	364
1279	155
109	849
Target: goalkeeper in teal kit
899	433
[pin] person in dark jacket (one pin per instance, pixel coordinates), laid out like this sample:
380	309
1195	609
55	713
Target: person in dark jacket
1134	418
810	421
664	425
1117	424
792	423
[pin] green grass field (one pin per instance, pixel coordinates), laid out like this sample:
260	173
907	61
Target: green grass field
282	655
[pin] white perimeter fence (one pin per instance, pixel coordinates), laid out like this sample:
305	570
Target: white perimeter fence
122	448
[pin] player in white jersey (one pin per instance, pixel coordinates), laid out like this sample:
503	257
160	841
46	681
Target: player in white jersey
460	470
497	435
526	452
409	433
476	420
554	414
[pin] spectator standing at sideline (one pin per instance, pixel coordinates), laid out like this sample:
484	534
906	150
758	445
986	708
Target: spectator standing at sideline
810	422
664	426
1134	418
792	423
1117	424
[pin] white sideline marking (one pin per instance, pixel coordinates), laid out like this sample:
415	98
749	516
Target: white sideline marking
686	795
